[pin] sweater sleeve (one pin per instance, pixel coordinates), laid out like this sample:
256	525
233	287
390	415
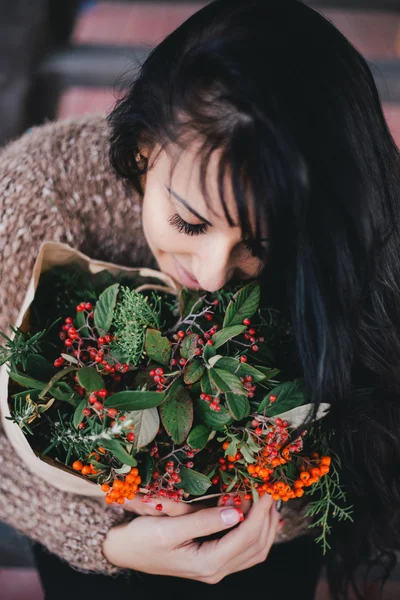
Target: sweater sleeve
32	190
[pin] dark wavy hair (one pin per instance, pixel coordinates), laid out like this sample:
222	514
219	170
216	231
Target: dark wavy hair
294	111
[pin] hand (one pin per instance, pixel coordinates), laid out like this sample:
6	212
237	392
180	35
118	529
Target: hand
168	546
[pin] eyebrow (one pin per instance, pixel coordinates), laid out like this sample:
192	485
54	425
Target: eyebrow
187	205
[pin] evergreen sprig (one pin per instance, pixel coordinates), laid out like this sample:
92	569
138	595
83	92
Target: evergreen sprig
133	315
17	351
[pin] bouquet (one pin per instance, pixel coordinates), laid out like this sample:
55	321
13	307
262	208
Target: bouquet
127	383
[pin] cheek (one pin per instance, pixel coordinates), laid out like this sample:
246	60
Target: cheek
160	236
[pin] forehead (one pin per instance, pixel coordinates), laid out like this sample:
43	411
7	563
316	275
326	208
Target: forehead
197	177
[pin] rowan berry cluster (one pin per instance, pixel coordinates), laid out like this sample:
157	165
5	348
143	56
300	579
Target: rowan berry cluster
122	489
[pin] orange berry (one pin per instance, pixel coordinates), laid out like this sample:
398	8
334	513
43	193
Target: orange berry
102	450
225	445
315	472
105	487
324	469
86	470
251	469
299	493
276	497
113	494
134	471
138	479
108	499
118	485
120	500
315	455
131	496
326	460
77	465
298	484
231	458
305	476
134	487
129	479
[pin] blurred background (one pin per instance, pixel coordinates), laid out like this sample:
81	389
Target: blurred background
65	58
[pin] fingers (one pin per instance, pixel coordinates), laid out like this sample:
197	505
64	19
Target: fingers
244	507
202	523
256	524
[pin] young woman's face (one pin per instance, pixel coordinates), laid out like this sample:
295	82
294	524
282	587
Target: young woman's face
191	241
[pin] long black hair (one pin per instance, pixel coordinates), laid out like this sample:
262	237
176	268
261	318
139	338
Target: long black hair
294	111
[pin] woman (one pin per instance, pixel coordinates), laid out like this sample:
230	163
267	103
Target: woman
255	135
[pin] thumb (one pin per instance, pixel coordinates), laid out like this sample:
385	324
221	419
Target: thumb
202	523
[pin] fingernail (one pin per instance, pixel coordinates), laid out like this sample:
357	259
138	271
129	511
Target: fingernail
281	523
231	516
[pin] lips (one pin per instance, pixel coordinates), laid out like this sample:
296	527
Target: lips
185	277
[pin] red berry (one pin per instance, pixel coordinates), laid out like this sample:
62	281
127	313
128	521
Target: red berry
68	342
97	405
86	412
101	340
159	507
112	413
81	425
102	393
272	398
130	437
258	431
197	352
190	465
181	334
255	348
69	321
210	343
208	316
88	306
92	398
152	373
246	322
159	371
243	358
252	331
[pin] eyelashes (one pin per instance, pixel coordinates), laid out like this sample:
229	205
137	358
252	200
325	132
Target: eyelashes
187	228
255	249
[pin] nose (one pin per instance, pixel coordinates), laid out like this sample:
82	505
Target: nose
212	266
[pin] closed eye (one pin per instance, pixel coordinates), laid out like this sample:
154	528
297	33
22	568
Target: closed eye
187	228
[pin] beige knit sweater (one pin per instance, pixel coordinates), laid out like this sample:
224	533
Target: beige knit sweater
56	184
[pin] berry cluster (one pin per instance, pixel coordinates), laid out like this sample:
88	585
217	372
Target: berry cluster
122	489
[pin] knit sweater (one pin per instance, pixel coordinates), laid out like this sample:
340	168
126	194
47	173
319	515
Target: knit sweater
56	184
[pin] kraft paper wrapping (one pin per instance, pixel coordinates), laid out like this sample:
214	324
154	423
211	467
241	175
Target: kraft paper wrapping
54	254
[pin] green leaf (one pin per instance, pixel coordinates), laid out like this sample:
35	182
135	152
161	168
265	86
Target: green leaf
198	437
104	309
134	400
194	372
147	424
268	373
193	483
227	382
288	395
224	335
244	304
232	448
215	420
25	381
61	391
177	412
119	452
247	454
80	324
157	347
208	386
238	406
241	369
209	352
147	469
90	379
189	345
78	415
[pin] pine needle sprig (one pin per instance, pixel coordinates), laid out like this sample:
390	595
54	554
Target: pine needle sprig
133	315
17	351
330	505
